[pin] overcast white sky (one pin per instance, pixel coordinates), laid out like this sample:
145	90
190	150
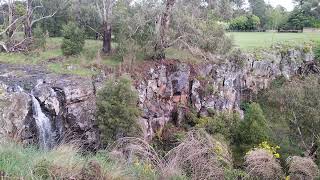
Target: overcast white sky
285	3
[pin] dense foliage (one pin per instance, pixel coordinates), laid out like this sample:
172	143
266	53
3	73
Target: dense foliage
254	128
117	113
73	40
220	123
292	109
245	23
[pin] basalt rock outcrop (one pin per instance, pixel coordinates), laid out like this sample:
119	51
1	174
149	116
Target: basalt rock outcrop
169	89
47	109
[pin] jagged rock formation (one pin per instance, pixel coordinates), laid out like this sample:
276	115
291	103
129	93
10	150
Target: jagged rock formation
167	90
52	110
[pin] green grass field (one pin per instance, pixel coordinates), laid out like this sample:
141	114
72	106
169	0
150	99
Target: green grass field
53	59
252	40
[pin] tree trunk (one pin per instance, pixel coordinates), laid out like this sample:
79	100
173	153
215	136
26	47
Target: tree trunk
27	29
27	23
162	32
11	19
107	38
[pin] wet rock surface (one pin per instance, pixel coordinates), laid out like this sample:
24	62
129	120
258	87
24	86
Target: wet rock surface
67	101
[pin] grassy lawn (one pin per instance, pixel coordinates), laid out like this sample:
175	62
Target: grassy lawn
252	40
53	59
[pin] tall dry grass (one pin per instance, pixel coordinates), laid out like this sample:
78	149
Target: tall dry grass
302	168
260	164
198	156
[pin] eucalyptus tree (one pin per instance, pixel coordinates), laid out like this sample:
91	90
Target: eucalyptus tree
36	11
12	18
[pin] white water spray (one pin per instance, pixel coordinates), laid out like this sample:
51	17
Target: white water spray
43	124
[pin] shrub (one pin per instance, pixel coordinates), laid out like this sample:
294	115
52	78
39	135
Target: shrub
221	123
271	149
245	23
73	40
201	36
251	131
39	38
238	23
117	110
261	164
302	168
232	174
254	129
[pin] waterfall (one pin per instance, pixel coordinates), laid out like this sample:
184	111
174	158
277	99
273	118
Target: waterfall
43	125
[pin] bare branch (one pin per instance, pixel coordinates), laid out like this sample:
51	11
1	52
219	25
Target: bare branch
93	29
3	44
14	22
45	17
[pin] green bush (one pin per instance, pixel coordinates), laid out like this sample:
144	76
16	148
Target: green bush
253	129
39	38
245	23
231	174
73	40
117	111
220	123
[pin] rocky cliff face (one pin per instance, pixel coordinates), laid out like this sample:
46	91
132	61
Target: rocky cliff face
47	109
169	89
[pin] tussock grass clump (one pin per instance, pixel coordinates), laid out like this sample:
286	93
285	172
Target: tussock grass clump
199	156
63	162
302	168
261	164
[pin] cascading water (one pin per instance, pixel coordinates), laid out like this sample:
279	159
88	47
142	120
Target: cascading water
43	125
